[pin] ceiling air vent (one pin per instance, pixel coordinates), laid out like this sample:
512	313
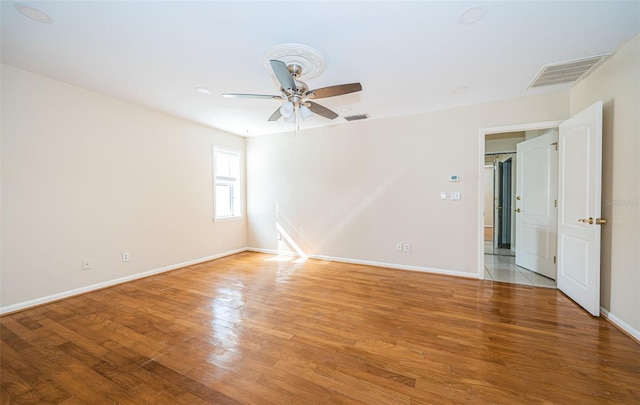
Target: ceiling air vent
356	117
566	72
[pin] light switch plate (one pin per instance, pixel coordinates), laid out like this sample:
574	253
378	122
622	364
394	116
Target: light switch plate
455	195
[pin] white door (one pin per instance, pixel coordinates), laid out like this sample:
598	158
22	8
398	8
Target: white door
579	185
536	208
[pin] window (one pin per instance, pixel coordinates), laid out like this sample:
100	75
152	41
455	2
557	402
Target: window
226	183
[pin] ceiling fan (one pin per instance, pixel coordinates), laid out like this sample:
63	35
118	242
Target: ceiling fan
298	95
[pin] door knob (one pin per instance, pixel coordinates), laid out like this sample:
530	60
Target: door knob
600	221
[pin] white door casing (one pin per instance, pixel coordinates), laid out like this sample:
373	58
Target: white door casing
579	199
535	205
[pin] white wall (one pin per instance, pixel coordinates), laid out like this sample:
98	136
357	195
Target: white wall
617	84
353	191
88	176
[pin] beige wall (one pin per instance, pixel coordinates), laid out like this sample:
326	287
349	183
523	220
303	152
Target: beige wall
88	176
617	84
353	191
503	143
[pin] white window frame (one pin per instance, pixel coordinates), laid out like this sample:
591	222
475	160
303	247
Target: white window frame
235	182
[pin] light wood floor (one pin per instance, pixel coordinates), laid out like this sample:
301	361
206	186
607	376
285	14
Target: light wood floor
253	329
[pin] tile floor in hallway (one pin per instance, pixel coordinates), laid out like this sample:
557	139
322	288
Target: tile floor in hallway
499	267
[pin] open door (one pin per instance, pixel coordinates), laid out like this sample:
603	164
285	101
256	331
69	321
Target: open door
503	197
536	208
579	199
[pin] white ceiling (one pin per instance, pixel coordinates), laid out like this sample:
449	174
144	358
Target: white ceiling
409	56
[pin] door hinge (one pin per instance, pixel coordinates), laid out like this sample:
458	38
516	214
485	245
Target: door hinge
555	260
555	144
555	203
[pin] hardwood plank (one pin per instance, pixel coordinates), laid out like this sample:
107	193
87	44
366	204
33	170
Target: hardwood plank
70	382
12	383
188	384
48	390
165	391
250	329
5	397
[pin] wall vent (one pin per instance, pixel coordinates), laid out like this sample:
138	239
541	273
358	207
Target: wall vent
356	117
566	72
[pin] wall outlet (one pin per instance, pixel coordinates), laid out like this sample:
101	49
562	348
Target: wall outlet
278	236
406	247
399	246
125	256
86	264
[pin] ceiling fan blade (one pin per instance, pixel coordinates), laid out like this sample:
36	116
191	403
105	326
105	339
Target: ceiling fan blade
239	95
284	76
275	116
337	90
320	110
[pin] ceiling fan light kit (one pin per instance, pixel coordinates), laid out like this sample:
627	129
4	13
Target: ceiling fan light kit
286	110
305	112
289	63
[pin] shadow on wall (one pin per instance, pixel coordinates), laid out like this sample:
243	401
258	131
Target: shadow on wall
285	229
291	237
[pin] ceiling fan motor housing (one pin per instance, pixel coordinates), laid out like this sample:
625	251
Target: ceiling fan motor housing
295	69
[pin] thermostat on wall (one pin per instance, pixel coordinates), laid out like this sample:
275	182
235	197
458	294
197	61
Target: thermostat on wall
454	177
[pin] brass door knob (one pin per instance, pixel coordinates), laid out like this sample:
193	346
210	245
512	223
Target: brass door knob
600	221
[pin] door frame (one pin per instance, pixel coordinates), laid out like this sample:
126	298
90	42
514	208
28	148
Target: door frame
482	133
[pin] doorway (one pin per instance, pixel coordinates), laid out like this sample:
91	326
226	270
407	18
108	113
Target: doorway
499	252
499	188
503	196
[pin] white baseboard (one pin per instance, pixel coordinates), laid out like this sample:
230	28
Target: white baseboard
372	263
397	266
272	252
621	324
77	291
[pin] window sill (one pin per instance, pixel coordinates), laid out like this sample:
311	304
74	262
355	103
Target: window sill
224	219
